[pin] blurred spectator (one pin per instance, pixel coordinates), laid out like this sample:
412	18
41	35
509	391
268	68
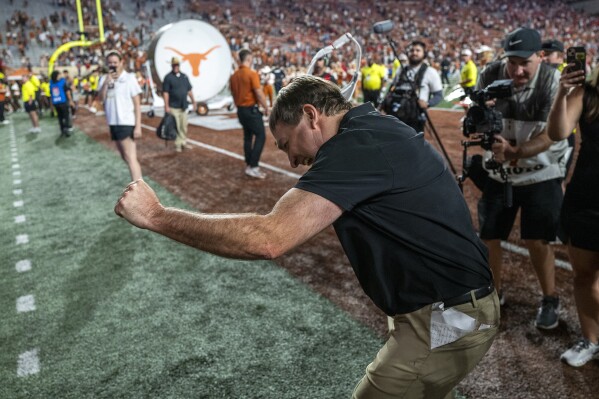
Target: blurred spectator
468	73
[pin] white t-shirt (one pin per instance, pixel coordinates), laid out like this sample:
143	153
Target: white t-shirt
118	103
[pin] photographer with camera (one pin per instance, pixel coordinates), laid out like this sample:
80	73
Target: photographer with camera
415	88
530	162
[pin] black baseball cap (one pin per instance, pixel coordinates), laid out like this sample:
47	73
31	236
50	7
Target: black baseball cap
553	45
523	42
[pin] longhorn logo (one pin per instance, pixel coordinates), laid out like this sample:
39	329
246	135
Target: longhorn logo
194	59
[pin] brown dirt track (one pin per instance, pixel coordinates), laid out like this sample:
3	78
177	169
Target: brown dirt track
522	363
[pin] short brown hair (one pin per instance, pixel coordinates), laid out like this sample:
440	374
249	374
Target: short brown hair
115	53
243	54
323	95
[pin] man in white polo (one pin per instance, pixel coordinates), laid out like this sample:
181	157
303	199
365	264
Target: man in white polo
120	93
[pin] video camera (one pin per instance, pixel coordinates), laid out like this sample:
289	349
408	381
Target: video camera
483	122
483	119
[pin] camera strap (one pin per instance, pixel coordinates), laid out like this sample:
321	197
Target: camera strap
415	83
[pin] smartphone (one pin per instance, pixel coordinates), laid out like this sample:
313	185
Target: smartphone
578	57
112	69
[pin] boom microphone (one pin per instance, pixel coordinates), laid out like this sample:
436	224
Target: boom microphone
382	26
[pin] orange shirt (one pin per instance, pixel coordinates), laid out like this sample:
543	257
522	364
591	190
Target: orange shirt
243	83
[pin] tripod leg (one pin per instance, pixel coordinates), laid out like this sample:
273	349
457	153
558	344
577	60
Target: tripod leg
438	139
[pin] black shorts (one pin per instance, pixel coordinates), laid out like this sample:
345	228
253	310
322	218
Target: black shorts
121	132
539	205
580	223
32	107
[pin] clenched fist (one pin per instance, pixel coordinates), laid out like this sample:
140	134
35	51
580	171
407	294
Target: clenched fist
139	205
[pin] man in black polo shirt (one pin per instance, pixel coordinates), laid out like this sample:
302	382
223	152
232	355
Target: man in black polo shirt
401	220
175	90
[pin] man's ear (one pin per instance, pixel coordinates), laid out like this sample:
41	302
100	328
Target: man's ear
312	114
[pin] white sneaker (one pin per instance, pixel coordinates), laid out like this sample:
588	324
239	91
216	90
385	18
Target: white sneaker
5	122
501	297
582	351
255	172
93	110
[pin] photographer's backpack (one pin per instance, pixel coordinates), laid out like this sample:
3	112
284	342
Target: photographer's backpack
402	102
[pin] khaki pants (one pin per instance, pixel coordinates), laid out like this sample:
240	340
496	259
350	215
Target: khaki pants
407	367
181	120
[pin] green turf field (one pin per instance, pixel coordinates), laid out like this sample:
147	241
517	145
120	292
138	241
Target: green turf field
124	313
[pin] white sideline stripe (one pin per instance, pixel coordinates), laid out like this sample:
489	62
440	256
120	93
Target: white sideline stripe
20	219
17	191
234	155
16	182
28	363
23	265
26	303
524	252
16	173
22	239
18	204
505	245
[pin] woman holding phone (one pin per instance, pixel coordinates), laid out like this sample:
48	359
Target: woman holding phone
120	93
577	102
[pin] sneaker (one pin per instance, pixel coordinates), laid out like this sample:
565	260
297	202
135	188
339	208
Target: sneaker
178	148
548	315
187	146
501	297
93	110
255	172
5	122
582	351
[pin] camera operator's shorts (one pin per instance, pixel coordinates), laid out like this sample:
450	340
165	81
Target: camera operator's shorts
121	132
539	205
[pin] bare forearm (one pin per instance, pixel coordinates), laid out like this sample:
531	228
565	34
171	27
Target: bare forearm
261	99
557	124
239	236
535	146
137	108
103	90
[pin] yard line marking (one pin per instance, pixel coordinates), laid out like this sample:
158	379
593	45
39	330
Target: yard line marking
28	363
20	219
524	252
234	155
25	303
22	239
23	265
18	204
17	191
14	159
16	182
15	166
16	173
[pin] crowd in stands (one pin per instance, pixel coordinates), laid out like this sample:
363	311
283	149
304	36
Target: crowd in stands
287	33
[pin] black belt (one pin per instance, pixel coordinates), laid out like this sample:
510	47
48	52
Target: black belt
467	297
